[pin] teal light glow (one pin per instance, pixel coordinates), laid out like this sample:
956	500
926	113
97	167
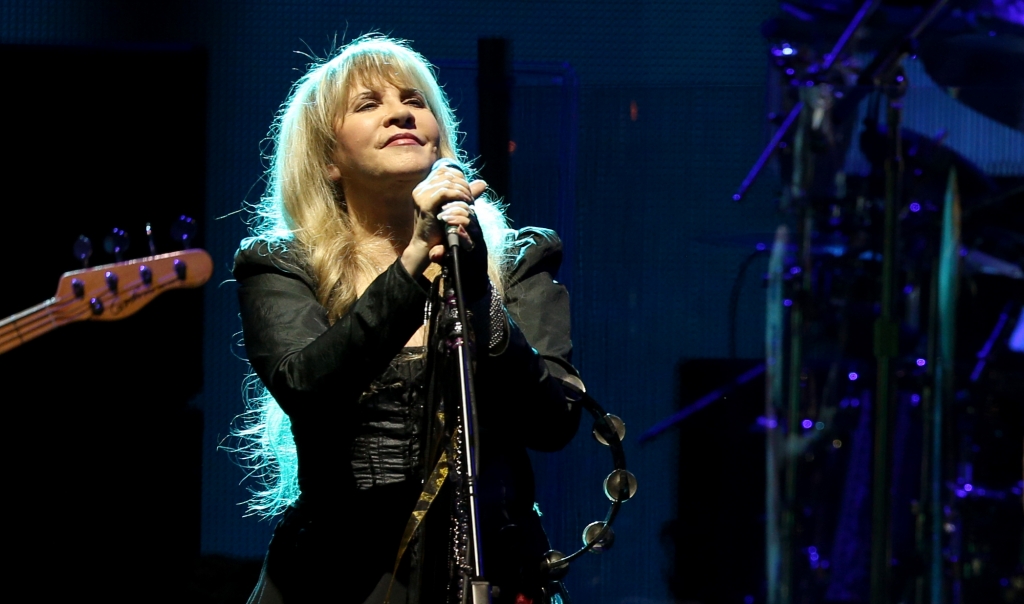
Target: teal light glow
266	451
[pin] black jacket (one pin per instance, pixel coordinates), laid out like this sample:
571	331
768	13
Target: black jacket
350	443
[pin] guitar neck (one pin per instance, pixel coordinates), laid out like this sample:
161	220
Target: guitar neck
27	325
106	293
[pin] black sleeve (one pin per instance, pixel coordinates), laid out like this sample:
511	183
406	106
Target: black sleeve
525	381
292	346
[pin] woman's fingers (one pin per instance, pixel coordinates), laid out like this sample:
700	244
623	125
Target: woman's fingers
446	184
456	212
477	188
436	253
444	198
431	194
459	214
443	184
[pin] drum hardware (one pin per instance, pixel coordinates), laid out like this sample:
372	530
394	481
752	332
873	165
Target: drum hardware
900	231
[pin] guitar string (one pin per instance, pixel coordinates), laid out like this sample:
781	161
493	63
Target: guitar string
29	331
25	332
37	326
28	312
22	332
32	327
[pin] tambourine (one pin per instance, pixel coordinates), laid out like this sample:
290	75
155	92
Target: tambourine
619	486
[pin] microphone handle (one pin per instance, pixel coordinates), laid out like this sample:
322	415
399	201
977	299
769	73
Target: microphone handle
451	231
452	236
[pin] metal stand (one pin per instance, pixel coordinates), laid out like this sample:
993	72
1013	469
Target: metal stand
778	589
812	119
474	589
886	349
883	72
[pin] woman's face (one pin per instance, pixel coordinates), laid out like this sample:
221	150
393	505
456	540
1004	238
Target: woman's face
384	133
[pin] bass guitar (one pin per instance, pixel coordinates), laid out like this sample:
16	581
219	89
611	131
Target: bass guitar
107	293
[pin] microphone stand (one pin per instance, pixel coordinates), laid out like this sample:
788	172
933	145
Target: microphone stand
474	588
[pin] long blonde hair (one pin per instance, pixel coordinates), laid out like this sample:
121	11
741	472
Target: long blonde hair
305	209
305	212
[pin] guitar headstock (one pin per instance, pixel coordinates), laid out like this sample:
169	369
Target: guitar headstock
115	291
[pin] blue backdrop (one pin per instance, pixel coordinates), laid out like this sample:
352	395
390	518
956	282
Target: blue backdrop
666	115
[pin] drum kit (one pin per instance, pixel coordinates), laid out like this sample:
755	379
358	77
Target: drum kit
894	380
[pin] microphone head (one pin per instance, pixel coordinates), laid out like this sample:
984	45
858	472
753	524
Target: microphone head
447	161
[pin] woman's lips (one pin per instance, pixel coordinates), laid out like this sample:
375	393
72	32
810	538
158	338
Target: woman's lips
402	139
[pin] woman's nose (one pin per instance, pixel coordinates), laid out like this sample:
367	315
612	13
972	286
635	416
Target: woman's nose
399	115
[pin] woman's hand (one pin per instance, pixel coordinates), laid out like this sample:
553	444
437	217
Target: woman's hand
473	252
445	191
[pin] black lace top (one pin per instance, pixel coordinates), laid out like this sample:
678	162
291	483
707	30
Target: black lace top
389	420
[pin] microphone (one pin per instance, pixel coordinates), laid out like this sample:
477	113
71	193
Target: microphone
451	231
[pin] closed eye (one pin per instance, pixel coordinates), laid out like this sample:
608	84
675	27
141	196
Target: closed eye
414	98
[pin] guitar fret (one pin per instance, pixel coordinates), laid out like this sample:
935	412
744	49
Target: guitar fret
24	325
28	311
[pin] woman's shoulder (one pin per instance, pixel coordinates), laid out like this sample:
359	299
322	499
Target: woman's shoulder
256	256
534	250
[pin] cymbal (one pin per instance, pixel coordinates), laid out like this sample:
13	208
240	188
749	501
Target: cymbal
927	164
984	72
819	23
975	53
977	261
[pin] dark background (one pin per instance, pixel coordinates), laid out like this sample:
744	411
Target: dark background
634	123
106	448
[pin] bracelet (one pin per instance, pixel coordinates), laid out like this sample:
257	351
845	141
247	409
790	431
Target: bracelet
499	325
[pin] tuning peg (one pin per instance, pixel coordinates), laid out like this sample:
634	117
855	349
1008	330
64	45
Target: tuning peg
149	236
82	249
116	243
183	230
